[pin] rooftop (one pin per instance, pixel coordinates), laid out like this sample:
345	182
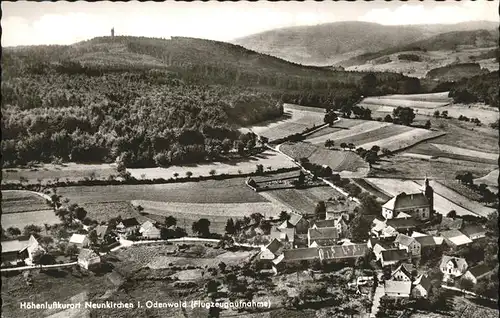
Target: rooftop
473	229
325	223
456	237
299	254
394	255
86	253
452	224
130	222
403	223
406	201
77	238
397	287
275	246
458	261
404	240
426	241
323	233
479	271
343	251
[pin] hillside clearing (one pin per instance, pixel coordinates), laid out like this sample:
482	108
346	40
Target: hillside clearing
229	258
404	140
466	152
364	127
428	97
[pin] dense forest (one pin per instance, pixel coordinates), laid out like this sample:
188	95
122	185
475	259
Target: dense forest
482	88
157	102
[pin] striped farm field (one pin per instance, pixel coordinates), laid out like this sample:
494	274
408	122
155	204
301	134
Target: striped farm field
364	127
404	140
428	97
375	135
442	205
466	152
18	201
295	120
380	101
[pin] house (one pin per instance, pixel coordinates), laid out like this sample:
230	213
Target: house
421	286
128	226
393	256
451	223
322	236
101	231
342	252
427	241
417	205
394	288
453	266
80	240
474	232
340	220
295	256
271	250
19	250
383	230
455	238
333	214
296	221
87	258
149	230
477	272
410	244
404	272
403	224
378	245
284	235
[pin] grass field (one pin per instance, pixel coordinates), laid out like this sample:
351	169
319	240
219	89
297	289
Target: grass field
229	258
337	160
442	203
295	120
491	179
358	128
428	97
268	158
403	102
50	172
466	152
431	151
16	201
403	140
20	220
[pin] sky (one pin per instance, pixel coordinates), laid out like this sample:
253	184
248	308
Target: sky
34	23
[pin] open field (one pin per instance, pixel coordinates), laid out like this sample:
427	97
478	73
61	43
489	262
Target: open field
103	211
428	97
432	151
466	152
374	135
20	220
268	158
68	171
442	203
404	140
216	213
393	102
294	120
370	188
491	179
16	201
337	160
229	258
364	127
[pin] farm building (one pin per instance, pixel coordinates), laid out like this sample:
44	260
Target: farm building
394	256
128	226
451	223
403	225
380	245
80	240
427	241
455	238
453	266
296	221
149	230
101	231
417	205
342	252
284	235
341	223
478	272
397	289
404	272
295	256
421	287
474	232
322	236
87	258
382	229
410	244
271	250
19	250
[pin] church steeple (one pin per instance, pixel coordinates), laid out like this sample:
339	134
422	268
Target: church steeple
112	31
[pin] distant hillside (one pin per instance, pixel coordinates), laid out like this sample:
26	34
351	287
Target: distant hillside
327	44
456	72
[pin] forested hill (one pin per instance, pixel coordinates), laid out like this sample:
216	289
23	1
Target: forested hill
154	101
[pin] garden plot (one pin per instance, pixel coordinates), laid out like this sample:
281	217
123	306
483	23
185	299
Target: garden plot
295	120
268	158
441	204
364	127
16	201
466	152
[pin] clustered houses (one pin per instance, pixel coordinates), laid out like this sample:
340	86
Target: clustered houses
405	282
20	250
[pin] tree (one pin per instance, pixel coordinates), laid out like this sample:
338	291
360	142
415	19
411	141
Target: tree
359	228
466	284
427	124
329	143
201	227
259	169
265	226
404	115
343	145
257	217
170	221
71	251
80	213
371	157
351	146
212	172
436	114
32	229
93	238
13	231
369	204
230	229
444	114
388	118
61	233
452	214
492	224
302	178
176	175
320	210
222	267
45	241
212	286
284	216
189	174
330	118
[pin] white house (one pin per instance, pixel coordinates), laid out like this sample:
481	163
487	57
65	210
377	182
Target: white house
87	258
421	287
149	230
477	272
410	244
19	250
404	272
453	266
397	289
80	240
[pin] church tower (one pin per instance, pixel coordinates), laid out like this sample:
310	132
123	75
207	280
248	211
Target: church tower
112	32
428	191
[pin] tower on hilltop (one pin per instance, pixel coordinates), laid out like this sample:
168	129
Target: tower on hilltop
112	32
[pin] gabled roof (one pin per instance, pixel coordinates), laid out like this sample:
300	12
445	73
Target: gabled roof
403	223
404	240
16	245
275	247
426	241
86	254
452	224
405	268
325	223
390	204
77	238
402	215
283	233
473	229
397	287
479	271
387	242
101	230
406	201
389	231
294	218
149	226
456	237
457	261
424	281
130	222
394	255
342	251
323	233
299	254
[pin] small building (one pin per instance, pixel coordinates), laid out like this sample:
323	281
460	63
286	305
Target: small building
394	256
421	286
295	256
427	241
149	230
451	223
271	250
87	258
380	245
474	232
382	229
453	266
455	238
410	244
102	231
19	250
397	289
80	240
128	226
325	236
404	272
405	225
342	252
477	272
296	221
284	235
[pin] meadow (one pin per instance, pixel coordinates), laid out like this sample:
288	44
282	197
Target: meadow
491	179
21	208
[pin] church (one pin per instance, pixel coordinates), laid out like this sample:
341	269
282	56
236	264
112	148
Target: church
417	205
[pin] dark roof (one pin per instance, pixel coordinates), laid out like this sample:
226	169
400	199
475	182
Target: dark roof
425	282
325	223
403	223
294	218
473	229
404	201
426	241
394	255
406	268
298	254
343	251
404	239
386	242
275	246
479	271
130	222
101	230
323	233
